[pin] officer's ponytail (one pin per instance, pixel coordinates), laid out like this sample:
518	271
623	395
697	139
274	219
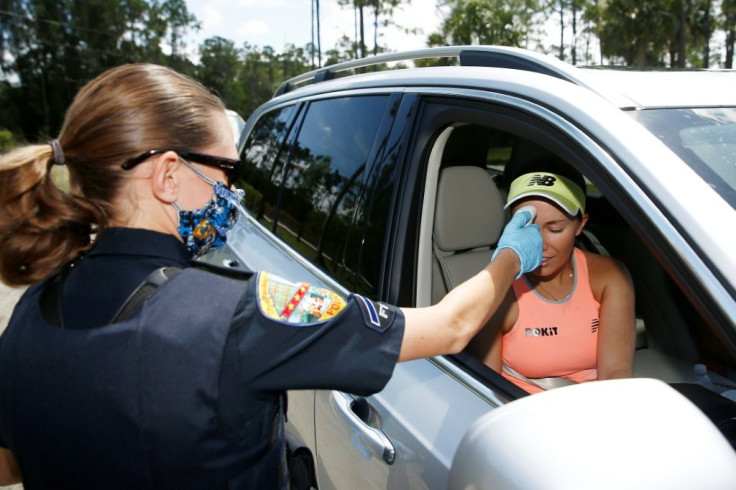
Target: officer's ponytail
119	115
41	225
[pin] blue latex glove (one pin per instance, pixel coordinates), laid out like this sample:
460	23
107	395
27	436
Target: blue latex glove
526	241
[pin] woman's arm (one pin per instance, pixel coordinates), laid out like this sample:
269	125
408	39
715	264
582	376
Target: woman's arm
448	326
617	332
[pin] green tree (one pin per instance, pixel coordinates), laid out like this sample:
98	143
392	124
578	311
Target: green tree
220	70
293	61
637	31
7	141
263	70
728	23
9	111
382	11
500	22
260	70
50	48
359	7
345	49
690	36
316	30
175	22
701	26
656	32
570	15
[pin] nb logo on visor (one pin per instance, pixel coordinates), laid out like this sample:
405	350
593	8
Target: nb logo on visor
545	180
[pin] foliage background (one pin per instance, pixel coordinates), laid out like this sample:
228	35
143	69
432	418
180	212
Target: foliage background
50	48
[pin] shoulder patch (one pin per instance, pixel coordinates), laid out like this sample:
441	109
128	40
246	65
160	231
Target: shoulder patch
378	316
296	303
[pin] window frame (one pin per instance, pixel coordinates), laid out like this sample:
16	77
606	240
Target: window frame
373	164
535	122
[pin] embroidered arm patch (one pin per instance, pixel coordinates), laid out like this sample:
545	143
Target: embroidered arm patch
377	316
296	303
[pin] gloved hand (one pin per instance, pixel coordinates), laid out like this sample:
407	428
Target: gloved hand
526	241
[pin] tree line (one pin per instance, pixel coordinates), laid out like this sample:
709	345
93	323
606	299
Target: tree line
638	33
50	48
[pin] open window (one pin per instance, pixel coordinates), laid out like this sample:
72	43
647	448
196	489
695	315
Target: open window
468	163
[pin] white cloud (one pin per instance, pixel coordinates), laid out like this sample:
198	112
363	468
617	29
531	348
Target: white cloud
262	4
254	28
210	16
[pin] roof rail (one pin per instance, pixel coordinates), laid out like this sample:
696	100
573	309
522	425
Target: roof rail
488	56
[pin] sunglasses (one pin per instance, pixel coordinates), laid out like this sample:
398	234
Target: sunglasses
230	166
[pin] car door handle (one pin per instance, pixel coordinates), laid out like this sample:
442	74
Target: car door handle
370	438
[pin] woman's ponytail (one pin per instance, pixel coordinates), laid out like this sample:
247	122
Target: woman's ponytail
41	225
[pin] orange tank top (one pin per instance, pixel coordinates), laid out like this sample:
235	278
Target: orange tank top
554	338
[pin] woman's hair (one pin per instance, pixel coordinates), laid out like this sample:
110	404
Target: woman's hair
119	115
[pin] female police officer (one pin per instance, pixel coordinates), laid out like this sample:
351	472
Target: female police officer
187	391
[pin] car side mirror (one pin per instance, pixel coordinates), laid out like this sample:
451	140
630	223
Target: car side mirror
632	433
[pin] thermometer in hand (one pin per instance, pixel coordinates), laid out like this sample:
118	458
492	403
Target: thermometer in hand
529	209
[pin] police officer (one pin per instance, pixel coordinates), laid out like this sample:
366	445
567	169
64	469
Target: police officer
103	387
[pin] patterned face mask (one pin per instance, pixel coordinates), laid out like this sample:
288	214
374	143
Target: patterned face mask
206	229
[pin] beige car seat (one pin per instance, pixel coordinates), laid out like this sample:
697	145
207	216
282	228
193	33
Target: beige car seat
468	221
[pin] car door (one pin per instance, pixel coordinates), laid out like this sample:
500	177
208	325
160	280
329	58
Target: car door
405	436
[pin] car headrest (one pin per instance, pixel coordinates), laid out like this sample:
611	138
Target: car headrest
469	211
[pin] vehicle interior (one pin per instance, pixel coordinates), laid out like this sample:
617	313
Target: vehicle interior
469	171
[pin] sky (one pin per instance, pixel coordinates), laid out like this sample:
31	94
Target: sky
276	23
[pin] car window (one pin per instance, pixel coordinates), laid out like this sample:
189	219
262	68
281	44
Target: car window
262	157
312	195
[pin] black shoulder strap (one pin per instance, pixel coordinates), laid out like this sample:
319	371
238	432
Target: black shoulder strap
50	300
155	280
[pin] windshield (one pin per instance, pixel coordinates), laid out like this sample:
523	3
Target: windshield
704	138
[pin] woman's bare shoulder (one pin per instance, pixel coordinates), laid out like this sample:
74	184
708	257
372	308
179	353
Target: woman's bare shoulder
605	271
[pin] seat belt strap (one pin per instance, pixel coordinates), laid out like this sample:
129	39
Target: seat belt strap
545	383
446	276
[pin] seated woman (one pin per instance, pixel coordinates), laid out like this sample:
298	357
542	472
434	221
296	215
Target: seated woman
572	319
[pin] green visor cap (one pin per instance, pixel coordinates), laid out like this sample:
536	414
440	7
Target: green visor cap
558	189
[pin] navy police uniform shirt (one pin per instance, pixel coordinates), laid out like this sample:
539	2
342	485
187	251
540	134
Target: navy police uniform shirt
188	392
118	263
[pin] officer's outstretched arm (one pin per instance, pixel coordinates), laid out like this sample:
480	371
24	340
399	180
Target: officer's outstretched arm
448	326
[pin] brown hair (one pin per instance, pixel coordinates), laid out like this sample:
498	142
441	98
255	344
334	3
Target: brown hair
119	115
